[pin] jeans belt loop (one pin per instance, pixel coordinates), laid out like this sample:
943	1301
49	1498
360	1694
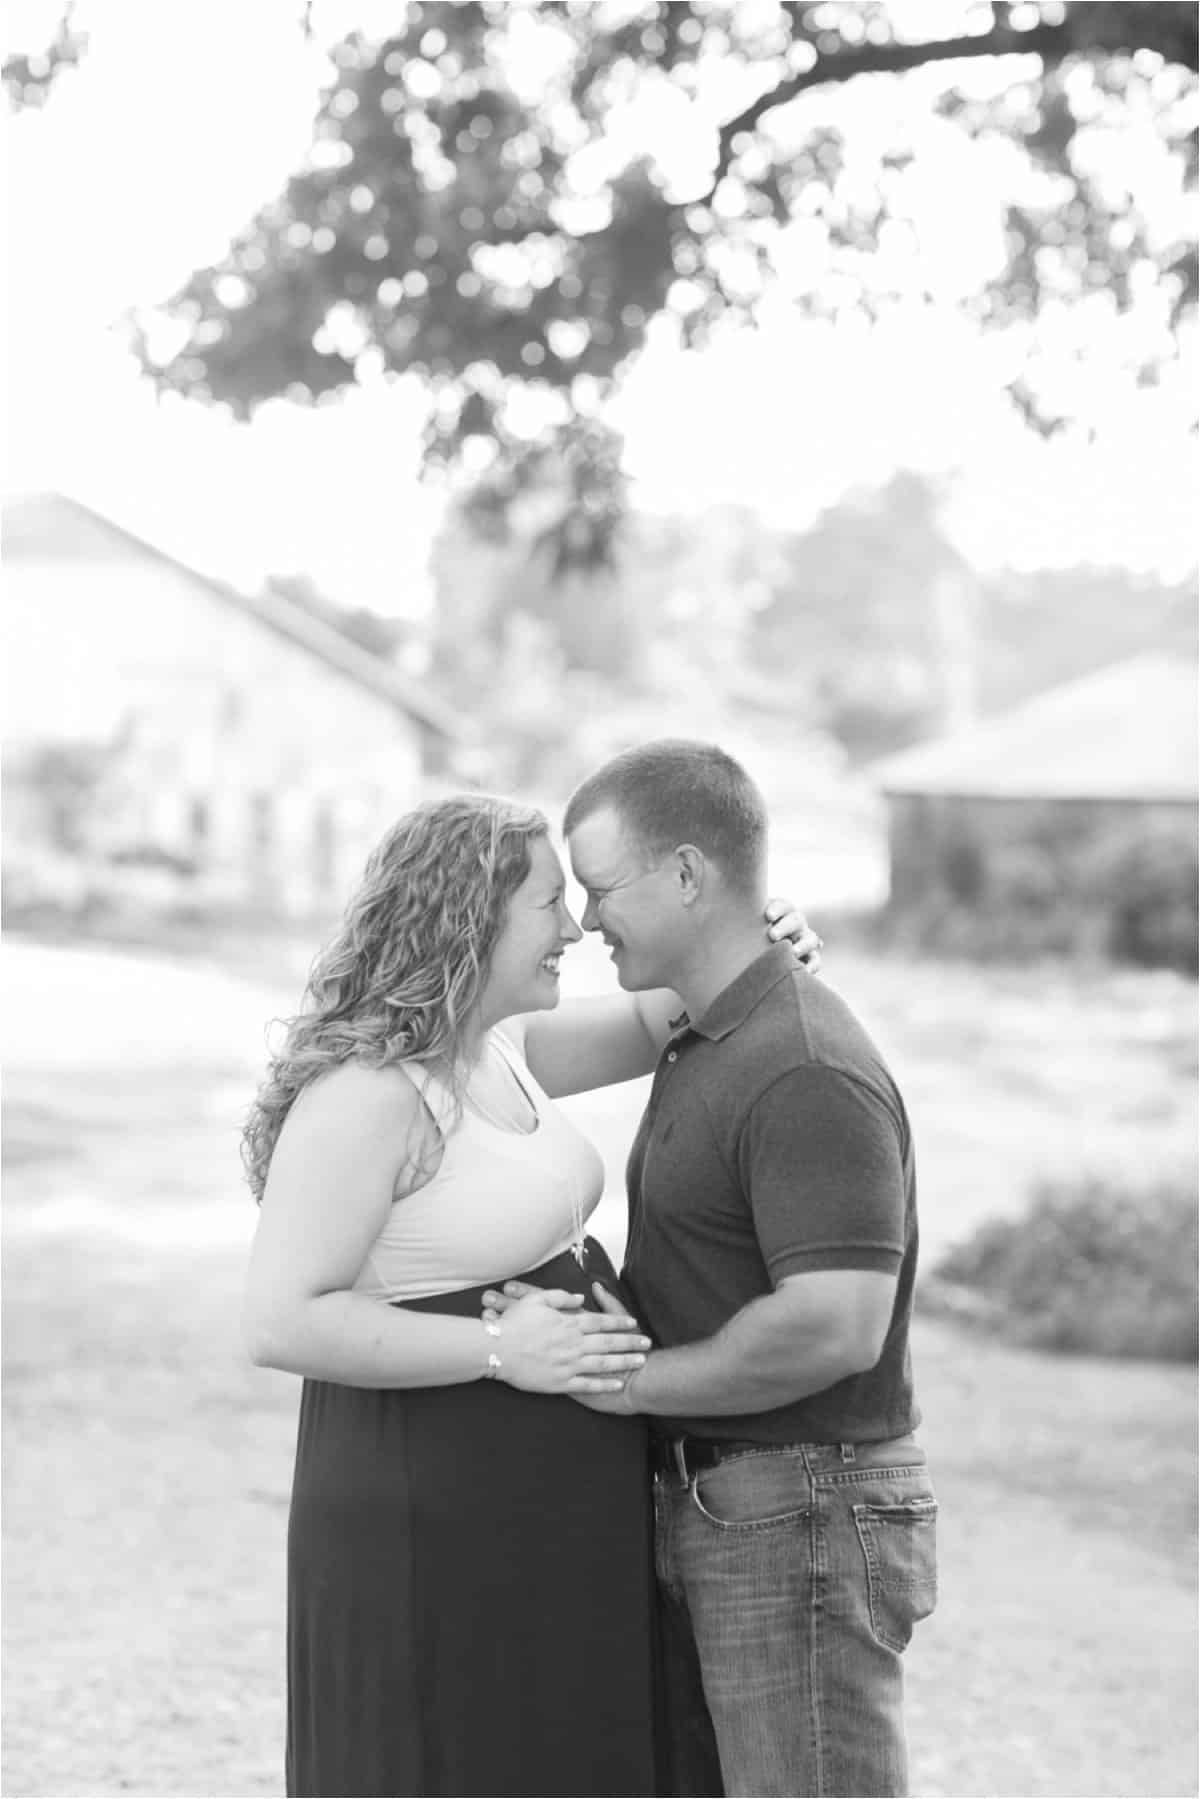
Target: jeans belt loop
847	1450
680	1462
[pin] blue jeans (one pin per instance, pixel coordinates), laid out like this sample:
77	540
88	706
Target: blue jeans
790	1580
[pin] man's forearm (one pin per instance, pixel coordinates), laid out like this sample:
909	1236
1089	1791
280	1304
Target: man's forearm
764	1357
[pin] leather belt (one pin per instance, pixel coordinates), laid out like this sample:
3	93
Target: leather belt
682	1457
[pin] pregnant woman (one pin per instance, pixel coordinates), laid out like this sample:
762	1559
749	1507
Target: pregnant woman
470	1600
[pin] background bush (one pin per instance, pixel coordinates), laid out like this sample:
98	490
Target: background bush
1127	894
1149	879
1091	1268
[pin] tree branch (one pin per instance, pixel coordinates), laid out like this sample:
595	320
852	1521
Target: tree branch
28	77
1050	42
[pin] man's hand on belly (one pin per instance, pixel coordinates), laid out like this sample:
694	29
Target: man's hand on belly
811	1332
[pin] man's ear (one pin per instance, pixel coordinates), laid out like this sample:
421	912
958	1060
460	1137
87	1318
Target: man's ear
690	872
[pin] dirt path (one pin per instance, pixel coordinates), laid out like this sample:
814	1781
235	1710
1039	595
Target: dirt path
147	1472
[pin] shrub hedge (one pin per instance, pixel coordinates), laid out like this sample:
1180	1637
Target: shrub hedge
1092	1268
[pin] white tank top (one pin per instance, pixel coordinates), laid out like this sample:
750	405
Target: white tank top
502	1201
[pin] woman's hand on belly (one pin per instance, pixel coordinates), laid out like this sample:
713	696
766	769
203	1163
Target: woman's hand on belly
546	1343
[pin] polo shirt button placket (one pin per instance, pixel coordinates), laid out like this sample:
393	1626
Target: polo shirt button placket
672	1055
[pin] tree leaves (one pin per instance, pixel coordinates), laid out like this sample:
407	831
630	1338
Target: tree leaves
503	239
31	75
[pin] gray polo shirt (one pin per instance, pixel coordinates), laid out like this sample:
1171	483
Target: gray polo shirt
774	1142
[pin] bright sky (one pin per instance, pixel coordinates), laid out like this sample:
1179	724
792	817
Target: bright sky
184	118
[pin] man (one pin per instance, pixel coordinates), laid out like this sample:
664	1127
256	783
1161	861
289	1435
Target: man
771	1254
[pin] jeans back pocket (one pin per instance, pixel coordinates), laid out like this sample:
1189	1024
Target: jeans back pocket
899	1545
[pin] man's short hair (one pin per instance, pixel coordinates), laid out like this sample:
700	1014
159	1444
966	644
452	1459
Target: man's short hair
676	791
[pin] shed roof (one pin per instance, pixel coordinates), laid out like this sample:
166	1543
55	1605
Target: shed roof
1127	732
33	528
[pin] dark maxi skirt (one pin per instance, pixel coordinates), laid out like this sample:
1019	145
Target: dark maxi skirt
470	1588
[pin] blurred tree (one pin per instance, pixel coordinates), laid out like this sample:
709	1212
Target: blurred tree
491	566
880	632
476	209
861	622
559	670
676	600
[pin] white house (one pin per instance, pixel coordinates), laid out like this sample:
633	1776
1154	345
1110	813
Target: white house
239	737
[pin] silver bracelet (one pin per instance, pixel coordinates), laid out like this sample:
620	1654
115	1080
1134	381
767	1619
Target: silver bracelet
494	1364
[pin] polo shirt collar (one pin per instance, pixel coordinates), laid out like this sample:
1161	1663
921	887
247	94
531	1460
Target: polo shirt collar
734	1004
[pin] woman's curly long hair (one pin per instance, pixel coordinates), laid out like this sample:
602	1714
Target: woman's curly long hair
410	959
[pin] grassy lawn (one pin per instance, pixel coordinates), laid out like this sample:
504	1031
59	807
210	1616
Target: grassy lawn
147	1465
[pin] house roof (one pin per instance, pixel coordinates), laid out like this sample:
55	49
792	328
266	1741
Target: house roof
33	528
1127	732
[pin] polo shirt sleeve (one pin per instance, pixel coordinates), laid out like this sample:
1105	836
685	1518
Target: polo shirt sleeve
820	1157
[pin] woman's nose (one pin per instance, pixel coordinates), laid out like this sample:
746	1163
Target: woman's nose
570	930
